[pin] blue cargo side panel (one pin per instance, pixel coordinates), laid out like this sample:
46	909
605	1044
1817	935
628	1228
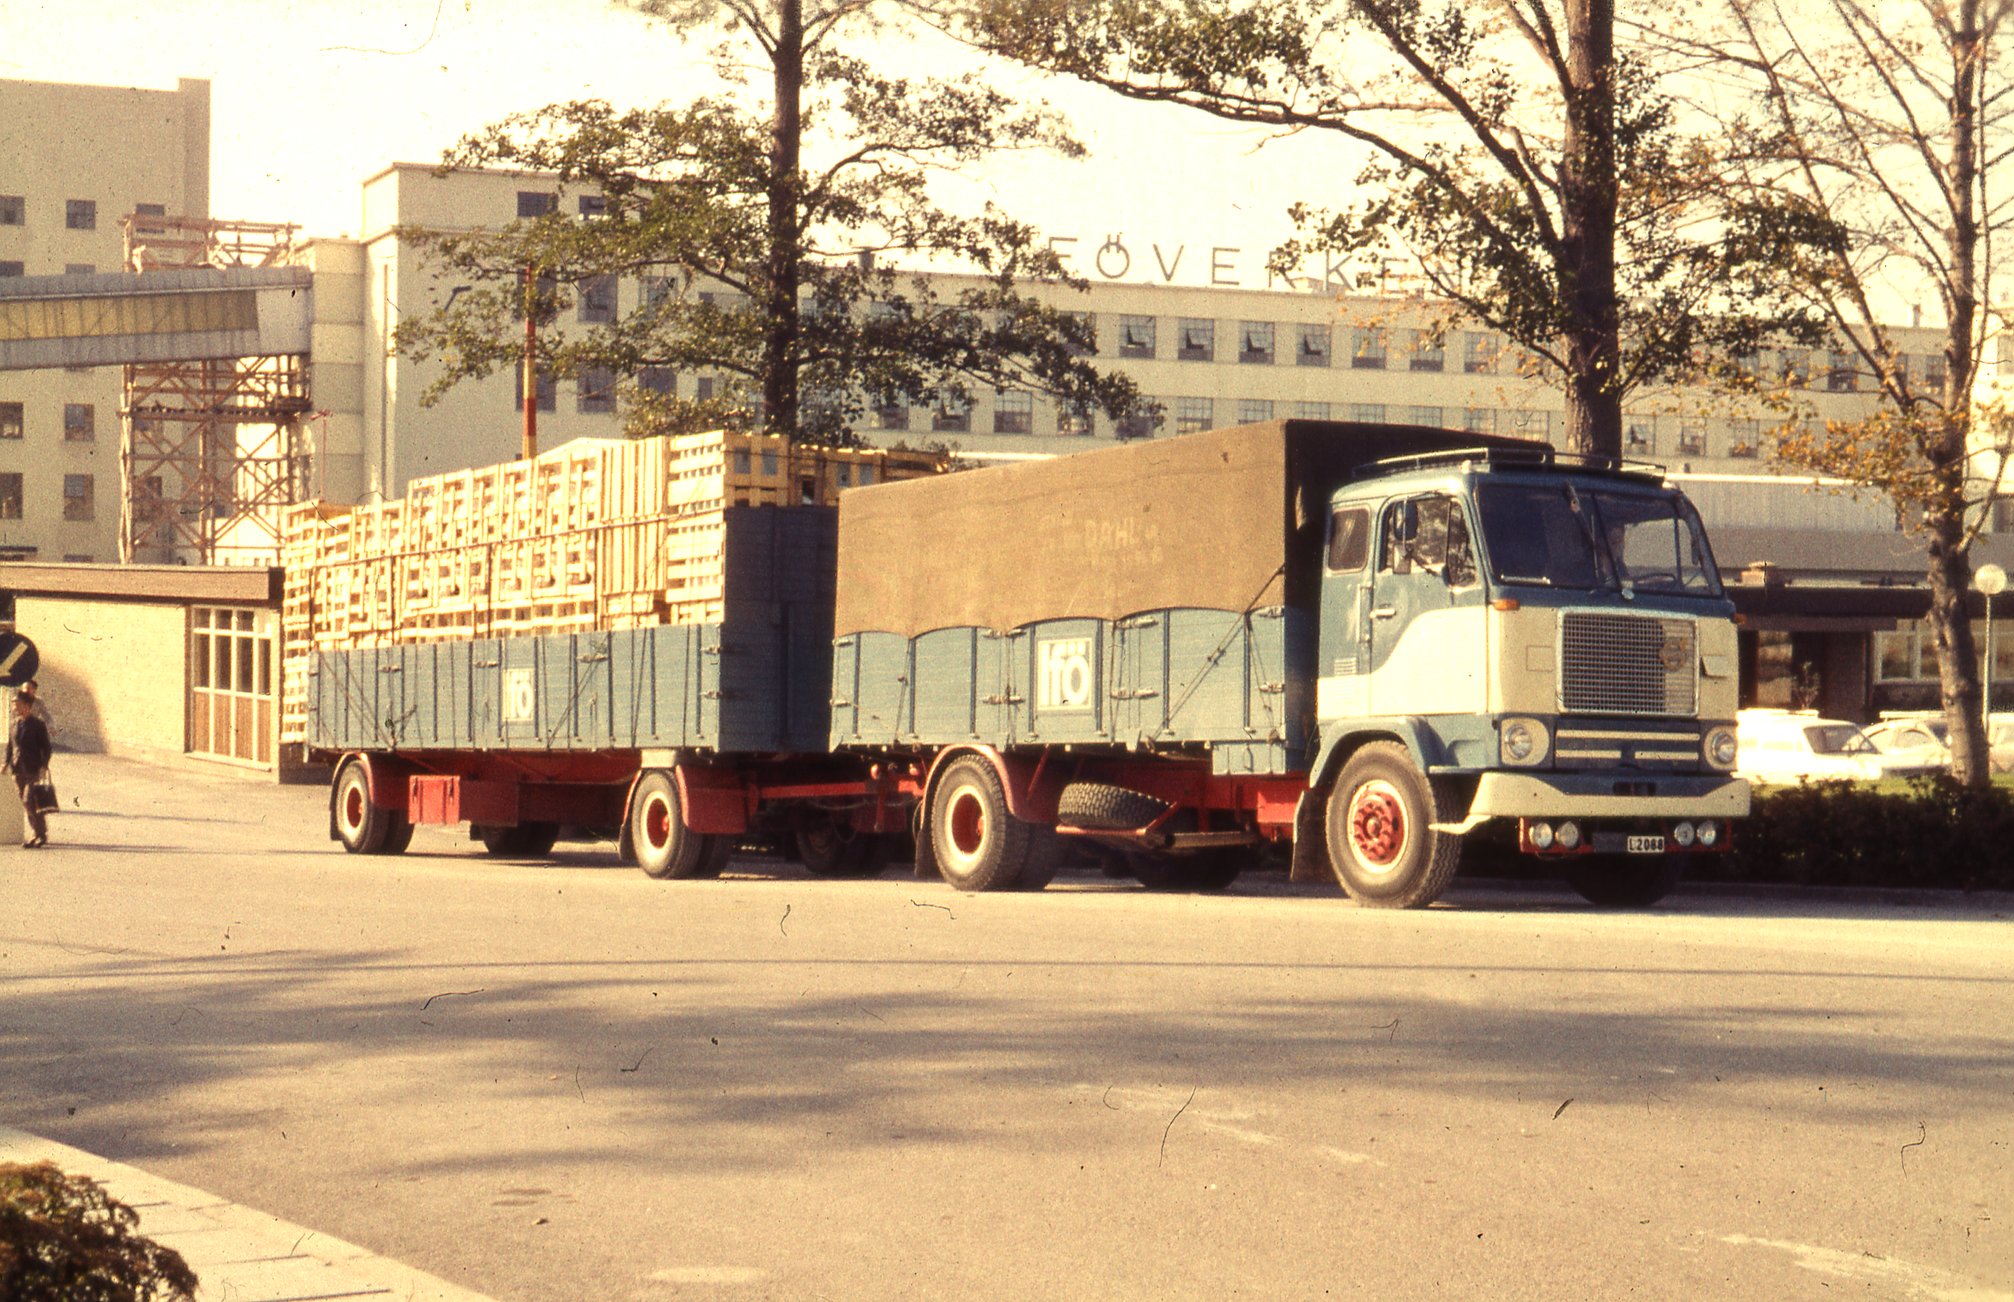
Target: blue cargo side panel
957	686
875	669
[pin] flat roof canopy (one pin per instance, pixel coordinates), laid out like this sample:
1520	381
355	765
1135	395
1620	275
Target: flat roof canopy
234	585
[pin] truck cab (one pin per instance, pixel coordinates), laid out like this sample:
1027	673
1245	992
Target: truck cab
1516	635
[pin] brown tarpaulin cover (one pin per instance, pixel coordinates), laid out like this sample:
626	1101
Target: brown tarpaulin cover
1207	520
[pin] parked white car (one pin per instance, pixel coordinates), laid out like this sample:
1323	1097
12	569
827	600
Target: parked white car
1788	745
1924	735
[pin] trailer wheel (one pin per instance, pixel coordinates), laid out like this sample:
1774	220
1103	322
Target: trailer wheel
1381	840
1626	881
832	847
979	846
665	847
1102	807
521	840
361	826
1200	870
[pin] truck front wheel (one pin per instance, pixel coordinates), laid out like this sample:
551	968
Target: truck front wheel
664	846
978	845
1381	839
362	827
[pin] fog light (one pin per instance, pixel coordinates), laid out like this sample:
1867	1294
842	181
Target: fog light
1541	836
1568	835
1709	834
1683	835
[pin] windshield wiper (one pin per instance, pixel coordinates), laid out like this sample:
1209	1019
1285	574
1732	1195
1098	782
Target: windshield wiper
1596	548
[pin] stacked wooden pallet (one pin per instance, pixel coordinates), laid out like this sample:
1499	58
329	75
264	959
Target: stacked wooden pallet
596	534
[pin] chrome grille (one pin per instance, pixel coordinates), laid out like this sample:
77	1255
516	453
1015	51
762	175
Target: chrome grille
1627	664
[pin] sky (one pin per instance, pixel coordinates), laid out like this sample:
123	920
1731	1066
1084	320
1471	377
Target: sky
310	97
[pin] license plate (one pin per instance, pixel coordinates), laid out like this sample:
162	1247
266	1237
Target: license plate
1644	845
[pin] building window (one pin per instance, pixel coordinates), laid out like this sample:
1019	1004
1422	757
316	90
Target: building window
892	414
1073	420
1639	436
536	203
80	214
1479	420
548	390
1479	353
1194	414
10	495
1526	423
952	415
1253	410
654	291
1933	370
1839	376
660	380
1311	411
13	420
1692	438
1139	425
149	210
80	422
13	210
79	498
596	391
13	269
1088	323
1314	347
1198	340
1255	343
1013	412
1744	437
79	269
1136	336
1368	413
597	300
1796	367
1427	416
1367	348
594	205
1429	351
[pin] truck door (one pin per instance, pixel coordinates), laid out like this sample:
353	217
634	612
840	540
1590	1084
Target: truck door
1343	686
1425	618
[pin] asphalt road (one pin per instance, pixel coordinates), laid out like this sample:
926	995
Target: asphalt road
550	1082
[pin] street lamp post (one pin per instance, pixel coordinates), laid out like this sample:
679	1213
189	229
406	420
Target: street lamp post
1991	580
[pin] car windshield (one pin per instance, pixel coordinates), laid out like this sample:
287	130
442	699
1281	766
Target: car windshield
1837	739
1569	536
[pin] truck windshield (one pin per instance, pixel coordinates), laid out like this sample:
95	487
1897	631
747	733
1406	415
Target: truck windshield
1577	536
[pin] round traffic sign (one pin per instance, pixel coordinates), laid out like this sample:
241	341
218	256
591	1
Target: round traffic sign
18	661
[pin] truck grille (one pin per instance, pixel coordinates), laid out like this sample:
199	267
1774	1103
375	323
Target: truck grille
1627	664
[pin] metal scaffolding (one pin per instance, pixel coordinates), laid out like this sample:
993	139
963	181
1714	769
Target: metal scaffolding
210	451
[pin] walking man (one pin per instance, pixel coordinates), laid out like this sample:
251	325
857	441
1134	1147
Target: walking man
27	759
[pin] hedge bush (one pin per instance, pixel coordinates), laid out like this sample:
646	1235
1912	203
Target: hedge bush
1935	834
64	1239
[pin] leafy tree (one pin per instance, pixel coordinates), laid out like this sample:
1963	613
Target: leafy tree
1534	175
760	264
64	1239
1869	142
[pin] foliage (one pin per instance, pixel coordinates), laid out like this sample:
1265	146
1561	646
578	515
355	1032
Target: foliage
63	1239
1534	178
1940	833
762	270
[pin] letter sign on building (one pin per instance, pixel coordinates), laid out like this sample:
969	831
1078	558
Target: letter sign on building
1063	674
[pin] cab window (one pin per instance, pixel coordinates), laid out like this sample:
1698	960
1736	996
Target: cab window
1431	533
1349	539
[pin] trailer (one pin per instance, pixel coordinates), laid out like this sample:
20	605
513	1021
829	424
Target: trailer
1346	644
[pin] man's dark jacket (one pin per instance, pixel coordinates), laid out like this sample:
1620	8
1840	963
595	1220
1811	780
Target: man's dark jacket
28	749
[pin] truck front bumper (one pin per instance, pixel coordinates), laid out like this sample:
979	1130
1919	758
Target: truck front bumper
1593	795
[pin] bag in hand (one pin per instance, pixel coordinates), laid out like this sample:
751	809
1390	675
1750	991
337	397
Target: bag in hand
42	795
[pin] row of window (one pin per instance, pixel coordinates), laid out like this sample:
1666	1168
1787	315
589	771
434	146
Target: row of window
80	421
1910	655
78	214
80	496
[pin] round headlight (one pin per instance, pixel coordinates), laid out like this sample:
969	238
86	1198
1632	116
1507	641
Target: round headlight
1709	834
1541	836
1517	741
1682	834
1568	835
1721	746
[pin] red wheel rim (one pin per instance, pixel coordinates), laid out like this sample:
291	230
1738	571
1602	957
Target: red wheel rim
968	823
353	807
1377	824
657	822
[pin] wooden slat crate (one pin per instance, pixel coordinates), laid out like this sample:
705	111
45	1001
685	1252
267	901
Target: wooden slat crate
594	534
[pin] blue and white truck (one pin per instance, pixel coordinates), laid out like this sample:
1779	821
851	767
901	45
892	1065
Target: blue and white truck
1351	643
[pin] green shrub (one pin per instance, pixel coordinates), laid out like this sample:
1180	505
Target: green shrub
63	1239
1936	833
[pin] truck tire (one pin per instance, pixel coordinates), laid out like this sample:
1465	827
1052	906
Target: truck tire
665	847
978	845
1102	807
361	826
831	848
1385	852
1199	870
1626	881
521	840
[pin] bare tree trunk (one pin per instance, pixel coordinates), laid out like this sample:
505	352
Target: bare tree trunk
779	355
1588	214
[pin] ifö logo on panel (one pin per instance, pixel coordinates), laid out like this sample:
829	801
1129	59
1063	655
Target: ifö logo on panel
1063	674
520	701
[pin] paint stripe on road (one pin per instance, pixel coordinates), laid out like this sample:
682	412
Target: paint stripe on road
237	1253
